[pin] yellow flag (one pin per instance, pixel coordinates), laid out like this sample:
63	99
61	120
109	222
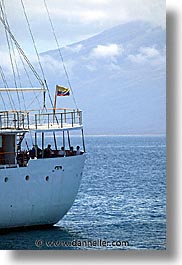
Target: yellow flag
62	91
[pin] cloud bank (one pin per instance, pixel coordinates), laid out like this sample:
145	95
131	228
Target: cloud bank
79	19
107	51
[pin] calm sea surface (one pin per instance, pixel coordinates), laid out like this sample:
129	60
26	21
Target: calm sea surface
121	203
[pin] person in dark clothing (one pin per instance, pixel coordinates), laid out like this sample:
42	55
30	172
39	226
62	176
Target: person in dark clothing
48	151
32	152
35	151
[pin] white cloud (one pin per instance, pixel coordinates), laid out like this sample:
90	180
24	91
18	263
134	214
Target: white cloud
149	52
146	54
50	63
94	2
88	16
107	51
74	19
6	62
110	12
91	67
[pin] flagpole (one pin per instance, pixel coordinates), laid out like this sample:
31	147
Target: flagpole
60	91
55	102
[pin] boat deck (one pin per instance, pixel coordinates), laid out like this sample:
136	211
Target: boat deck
54	127
59	119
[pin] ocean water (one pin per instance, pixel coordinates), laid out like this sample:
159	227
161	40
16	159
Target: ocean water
121	203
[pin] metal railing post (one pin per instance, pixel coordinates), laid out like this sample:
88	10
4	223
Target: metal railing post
23	121
80	117
72	118
65	116
28	120
18	119
7	122
35	121
15	120
61	120
83	141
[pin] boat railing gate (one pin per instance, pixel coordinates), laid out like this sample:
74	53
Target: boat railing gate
61	119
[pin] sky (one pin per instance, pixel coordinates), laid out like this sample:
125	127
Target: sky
75	20
120	54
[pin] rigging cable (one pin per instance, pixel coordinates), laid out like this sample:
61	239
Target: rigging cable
3	101
33	40
0	92
22	53
27	74
6	86
16	65
38	56
60	53
10	55
11	46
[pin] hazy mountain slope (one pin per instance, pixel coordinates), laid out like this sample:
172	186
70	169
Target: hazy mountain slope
118	79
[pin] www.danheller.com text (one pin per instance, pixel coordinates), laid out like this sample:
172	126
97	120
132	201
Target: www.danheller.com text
81	243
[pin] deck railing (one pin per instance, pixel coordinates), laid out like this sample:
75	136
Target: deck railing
25	120
14	120
59	119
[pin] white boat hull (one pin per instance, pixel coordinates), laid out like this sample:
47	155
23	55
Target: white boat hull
41	193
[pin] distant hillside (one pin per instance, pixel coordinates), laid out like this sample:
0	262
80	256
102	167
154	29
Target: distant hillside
118	78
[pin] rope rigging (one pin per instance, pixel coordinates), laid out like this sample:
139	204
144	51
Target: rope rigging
1	93
22	52
38	56
60	53
10	41
27	74
9	48
14	46
32	37
6	85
